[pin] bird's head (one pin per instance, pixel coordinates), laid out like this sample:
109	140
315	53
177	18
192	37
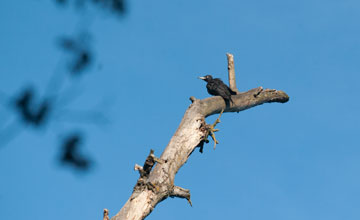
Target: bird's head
206	78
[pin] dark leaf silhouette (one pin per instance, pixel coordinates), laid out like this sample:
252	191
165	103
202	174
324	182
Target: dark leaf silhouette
61	2
115	6
35	111
29	112
81	54
71	155
118	6
83	60
23	104
39	117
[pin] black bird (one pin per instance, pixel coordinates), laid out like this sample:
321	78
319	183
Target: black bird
217	87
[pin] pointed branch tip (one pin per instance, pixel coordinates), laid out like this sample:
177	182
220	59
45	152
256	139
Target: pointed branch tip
192	99
138	167
106	214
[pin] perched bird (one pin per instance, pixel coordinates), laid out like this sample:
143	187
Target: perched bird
217	87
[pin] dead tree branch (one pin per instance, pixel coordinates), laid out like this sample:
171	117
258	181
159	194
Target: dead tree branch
156	183
231	72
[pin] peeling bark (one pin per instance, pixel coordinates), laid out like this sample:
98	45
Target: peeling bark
157	184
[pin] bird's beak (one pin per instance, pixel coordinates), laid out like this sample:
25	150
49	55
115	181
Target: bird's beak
202	77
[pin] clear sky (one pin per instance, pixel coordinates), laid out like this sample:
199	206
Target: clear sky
293	161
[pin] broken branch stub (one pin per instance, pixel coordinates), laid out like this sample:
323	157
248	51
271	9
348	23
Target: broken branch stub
181	193
231	73
106	214
148	165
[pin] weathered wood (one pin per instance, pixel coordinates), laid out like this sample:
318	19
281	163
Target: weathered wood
231	73
158	184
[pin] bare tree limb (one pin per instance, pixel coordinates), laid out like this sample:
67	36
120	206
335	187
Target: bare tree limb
242	101
158	182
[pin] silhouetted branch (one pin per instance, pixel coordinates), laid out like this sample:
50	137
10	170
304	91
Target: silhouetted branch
8	133
38	111
76	116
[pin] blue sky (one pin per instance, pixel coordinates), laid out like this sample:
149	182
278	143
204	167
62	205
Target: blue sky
298	160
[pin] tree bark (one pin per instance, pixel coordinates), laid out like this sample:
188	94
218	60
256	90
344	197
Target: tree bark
231	72
157	184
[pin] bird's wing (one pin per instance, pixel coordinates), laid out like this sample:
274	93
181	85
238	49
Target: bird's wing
220	82
223	88
211	88
224	91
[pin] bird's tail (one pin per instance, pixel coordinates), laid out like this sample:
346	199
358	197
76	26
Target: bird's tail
228	100
231	100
